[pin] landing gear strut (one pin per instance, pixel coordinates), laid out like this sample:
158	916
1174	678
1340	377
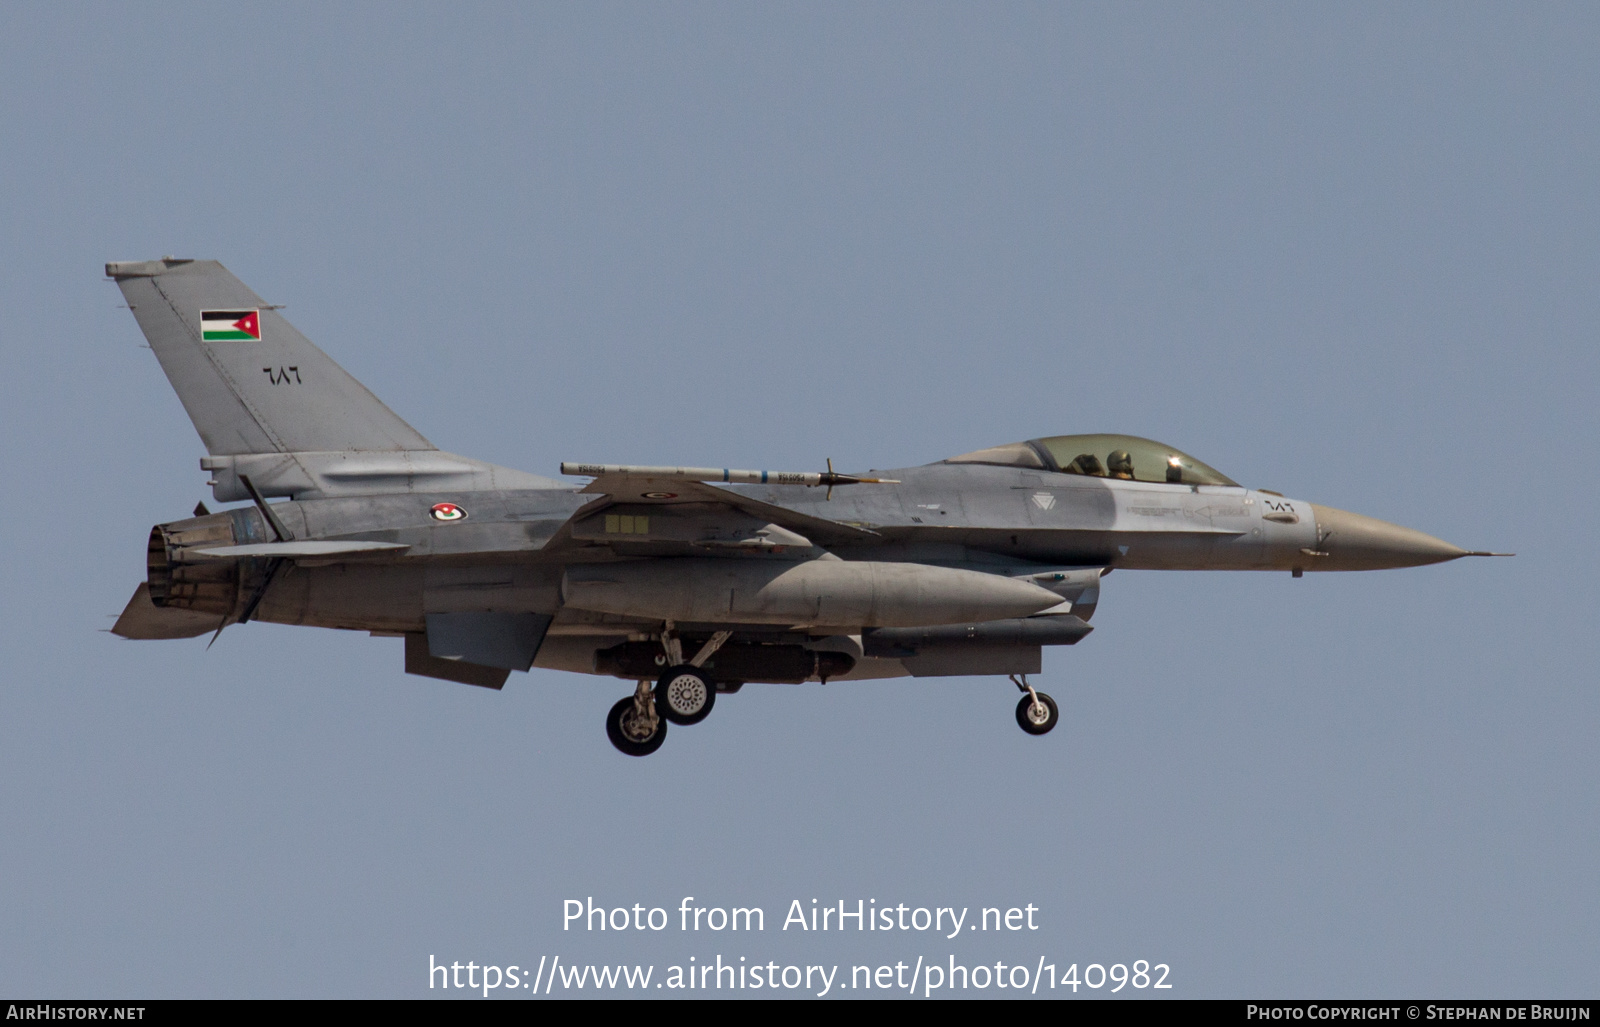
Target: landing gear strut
633	724
1036	712
684	694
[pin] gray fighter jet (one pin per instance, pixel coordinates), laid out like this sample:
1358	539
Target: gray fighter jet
690	581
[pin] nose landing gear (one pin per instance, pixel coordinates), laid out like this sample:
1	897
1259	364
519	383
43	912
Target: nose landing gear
1036	712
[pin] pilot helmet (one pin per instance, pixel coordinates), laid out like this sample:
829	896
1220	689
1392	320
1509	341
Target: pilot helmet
1119	462
1086	463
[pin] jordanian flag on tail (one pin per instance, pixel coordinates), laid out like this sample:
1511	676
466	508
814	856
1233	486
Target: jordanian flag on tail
230	325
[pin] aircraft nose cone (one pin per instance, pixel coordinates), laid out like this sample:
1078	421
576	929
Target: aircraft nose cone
1354	542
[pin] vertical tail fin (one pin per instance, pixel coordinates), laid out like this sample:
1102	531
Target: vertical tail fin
250	382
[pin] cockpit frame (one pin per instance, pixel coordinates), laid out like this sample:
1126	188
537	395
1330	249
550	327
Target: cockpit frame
1124	457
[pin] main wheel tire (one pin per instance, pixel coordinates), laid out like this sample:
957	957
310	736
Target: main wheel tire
684	696
1037	719
626	734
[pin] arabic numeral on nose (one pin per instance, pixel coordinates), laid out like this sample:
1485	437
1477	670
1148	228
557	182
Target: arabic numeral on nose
1141	973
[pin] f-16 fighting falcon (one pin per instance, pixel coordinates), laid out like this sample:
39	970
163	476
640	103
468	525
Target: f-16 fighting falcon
690	582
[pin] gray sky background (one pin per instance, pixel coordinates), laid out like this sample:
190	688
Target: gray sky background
1344	251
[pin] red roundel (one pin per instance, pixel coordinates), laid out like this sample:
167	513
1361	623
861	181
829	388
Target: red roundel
447	512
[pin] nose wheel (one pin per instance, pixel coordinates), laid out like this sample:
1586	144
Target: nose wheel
1037	713
634	725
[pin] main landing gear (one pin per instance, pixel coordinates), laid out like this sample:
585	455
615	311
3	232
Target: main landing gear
633	724
1036	712
637	725
683	695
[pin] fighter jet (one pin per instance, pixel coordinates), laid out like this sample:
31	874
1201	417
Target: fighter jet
690	582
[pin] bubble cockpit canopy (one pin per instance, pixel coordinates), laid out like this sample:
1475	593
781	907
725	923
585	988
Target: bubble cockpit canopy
1101	456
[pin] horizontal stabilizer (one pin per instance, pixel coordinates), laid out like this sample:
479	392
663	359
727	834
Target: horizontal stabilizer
143	619
319	475
308	549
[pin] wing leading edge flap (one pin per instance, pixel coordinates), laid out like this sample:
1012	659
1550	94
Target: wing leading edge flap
620	488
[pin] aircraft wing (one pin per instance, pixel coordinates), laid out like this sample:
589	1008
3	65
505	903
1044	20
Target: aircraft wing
638	510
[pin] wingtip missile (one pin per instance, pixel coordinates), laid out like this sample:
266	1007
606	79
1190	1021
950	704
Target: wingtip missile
726	475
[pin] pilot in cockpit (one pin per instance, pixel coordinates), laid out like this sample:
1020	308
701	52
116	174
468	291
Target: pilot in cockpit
1086	463
1075	454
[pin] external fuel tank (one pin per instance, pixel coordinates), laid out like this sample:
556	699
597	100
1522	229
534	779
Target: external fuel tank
828	592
